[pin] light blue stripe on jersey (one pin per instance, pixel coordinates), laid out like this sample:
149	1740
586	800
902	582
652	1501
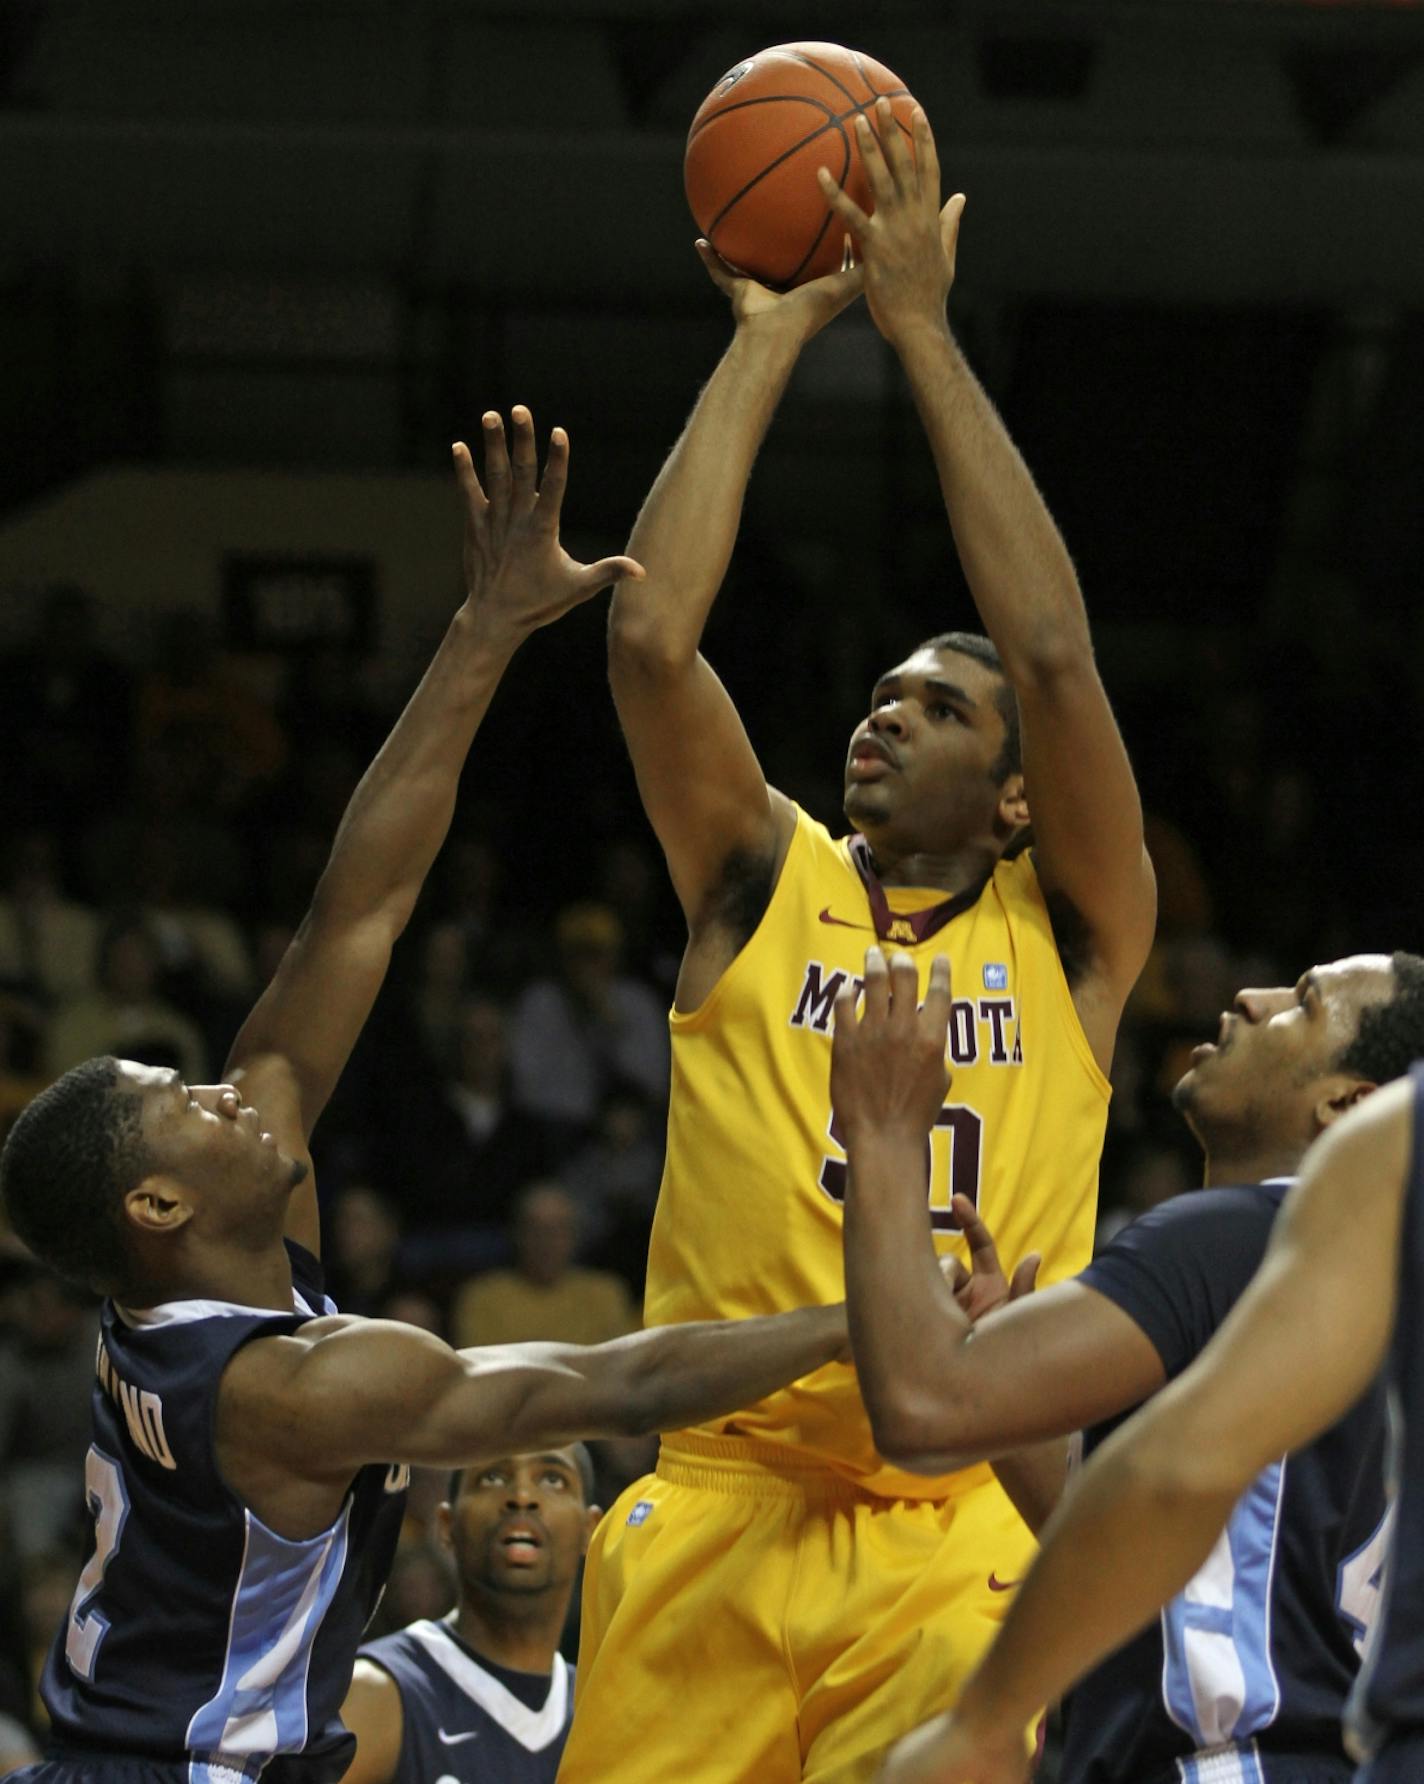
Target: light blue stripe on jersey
1223	1765
284	1589
1218	1680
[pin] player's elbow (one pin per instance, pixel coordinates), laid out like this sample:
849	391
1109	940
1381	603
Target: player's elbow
915	1432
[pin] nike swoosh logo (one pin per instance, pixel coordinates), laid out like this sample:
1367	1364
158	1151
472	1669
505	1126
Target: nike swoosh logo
845	923
453	1740
998	1585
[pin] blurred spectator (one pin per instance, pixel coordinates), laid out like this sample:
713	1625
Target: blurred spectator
544	1295
170	805
125	1014
614	1180
362	1240
478	1147
48	1590
633	883
46	1373
440	990
22	1052
422	1584
499	942
47	941
202	950
194	697
574	1038
64	717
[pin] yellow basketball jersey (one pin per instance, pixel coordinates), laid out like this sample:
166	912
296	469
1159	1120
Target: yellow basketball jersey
749	1215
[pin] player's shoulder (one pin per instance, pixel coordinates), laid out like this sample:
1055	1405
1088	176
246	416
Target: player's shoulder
1244	1211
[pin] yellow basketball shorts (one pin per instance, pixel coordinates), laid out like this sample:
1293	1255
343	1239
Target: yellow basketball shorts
749	1623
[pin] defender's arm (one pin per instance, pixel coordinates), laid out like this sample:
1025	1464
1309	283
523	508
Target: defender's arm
292	1048
375	1714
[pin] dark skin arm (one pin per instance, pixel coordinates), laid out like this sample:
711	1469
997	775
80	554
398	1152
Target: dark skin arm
292	1048
374	1713
700	781
299	1415
1153	1500
941	1391
1083	800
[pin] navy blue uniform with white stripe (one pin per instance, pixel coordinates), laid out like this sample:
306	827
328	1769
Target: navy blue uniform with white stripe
198	1639
1245	1676
1387	1710
467	1721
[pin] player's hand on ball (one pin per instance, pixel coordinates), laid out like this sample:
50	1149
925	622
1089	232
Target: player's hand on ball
945	1752
888	1075
907	244
806	308
518	576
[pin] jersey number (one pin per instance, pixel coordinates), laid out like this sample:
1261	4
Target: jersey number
104	1490
965	1128
1361	1583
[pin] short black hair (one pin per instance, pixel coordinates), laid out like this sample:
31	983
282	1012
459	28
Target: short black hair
981	649
583	1461
1391	1034
72	1156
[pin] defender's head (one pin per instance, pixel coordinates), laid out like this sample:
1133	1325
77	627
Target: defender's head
1289	1061
114	1174
937	763
518	1527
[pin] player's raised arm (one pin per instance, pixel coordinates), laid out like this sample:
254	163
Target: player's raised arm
699	777
1154	1499
1083	800
342	1393
292	1048
941	1391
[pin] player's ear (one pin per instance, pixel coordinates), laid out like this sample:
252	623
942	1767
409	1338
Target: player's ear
1013	804
1338	1097
590	1524
159	1204
444	1526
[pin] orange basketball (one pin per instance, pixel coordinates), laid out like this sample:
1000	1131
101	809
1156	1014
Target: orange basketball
754	147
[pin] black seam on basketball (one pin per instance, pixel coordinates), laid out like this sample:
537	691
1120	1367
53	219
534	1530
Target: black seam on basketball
835	80
810	252
859	107
897	93
820	233
828	111
771	166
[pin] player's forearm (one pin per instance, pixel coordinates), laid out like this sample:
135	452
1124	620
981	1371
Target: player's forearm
400	813
685	1374
1013	555
687	528
1034	1478
907	1330
1127	1538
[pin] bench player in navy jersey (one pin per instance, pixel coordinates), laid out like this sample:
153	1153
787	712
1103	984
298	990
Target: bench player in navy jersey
1246	1676
248	1466
1339	1297
483	1696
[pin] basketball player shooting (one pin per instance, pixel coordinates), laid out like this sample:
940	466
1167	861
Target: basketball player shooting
862	1593
241	1478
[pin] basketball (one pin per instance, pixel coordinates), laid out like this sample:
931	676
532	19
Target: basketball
754	147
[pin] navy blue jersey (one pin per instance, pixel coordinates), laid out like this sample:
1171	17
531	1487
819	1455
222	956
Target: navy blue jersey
1387	1711
1249	1668
196	1634
466	1721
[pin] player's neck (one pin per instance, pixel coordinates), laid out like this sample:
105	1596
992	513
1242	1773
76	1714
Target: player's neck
245	1278
524	1636
1240	1163
950	871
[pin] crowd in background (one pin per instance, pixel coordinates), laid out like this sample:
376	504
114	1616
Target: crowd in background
489	1165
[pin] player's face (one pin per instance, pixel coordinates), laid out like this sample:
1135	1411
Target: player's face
521	1524
205	1137
1275	1049
917	772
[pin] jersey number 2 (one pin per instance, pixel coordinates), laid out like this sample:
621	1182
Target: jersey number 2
966	1149
104	1490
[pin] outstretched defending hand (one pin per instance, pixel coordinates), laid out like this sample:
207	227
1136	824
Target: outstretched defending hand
805	308
983	1287
888	1075
517	575
907	245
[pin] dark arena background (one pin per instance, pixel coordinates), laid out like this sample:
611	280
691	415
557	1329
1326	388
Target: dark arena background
260	262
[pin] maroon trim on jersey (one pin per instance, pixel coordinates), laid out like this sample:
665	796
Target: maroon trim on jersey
914	926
